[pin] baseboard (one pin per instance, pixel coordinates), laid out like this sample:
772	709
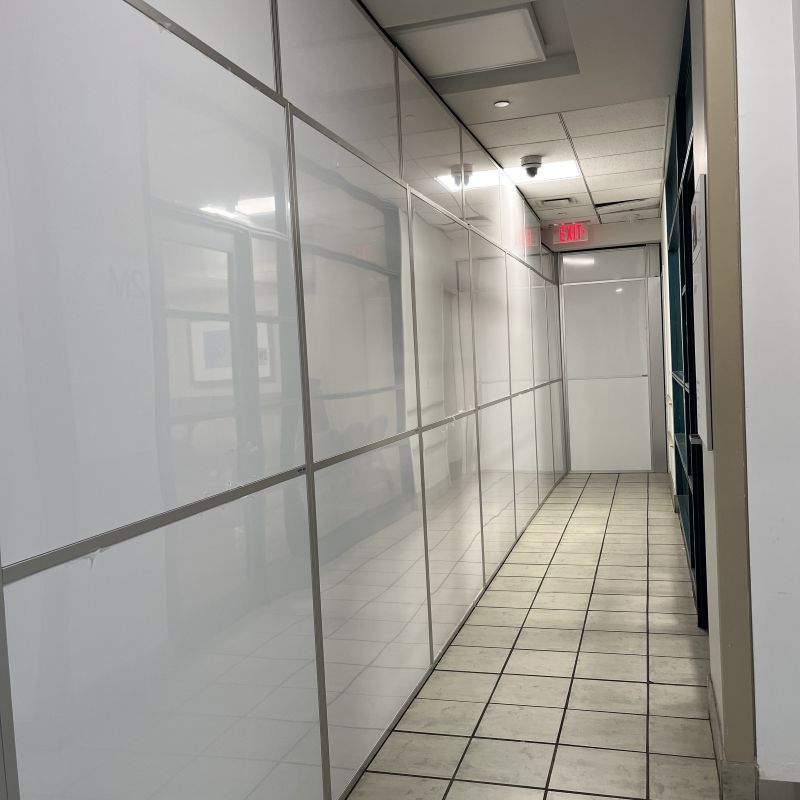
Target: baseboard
737	780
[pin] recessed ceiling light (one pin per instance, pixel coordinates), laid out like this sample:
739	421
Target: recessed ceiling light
502	103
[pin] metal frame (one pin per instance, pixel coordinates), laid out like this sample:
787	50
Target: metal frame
11	573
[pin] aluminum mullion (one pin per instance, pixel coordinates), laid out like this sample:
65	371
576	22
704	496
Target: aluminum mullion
9	773
316	591
277	64
421	454
564	377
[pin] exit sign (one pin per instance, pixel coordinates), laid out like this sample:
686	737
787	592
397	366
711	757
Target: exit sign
568	232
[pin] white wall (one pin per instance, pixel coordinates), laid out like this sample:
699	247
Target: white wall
768	153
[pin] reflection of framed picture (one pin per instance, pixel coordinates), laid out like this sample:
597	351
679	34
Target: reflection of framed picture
212	356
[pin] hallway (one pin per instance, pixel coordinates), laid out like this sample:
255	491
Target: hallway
580	672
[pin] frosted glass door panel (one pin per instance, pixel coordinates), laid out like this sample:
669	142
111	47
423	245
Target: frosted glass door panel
490	305
241	30
454	524
519	325
180	662
431	142
497	484
526	479
605	328
444	314
603	265
357	284
544	441
541	344
609	424
151	339
340	71
374	600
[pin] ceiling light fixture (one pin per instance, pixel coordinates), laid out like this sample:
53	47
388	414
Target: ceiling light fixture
256	205
502	103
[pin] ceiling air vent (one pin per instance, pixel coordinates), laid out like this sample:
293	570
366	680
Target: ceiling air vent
556	202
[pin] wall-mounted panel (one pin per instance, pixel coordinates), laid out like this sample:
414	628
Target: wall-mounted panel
444	313
431	142
603	265
454	523
181	662
490	304
153	344
497	483
338	69
357	285
526	473
374	598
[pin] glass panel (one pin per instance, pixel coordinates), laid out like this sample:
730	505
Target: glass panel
356	278
444	315
605	328
526	481
497	484
374	601
609	424
541	343
239	29
481	189
491	319
544	441
180	662
547	264
340	71
145	375
553	331
513	217
557	412
431	142
533	238
519	325
454	523
603	265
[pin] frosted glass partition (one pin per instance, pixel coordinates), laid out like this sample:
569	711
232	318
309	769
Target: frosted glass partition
357	283
519	325
374	599
490	304
239	29
526	472
340	70
553	331
603	265
556	410
179	625
544	440
152	337
454	524
431	142
181	661
541	341
444	313
482	203
497	484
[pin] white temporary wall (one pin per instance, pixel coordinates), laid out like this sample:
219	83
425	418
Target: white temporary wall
768	50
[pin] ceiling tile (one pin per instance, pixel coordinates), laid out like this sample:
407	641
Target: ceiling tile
611	144
572	213
549	151
622	117
627	216
630	193
524	130
629	162
620	180
563	188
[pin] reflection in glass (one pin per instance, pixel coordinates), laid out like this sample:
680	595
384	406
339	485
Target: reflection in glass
431	142
513	217
374	600
544	441
357	284
180	661
454	523
526	478
497	484
444	315
490	305
519	325
340	70
482	203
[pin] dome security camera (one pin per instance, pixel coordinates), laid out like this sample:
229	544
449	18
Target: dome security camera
531	165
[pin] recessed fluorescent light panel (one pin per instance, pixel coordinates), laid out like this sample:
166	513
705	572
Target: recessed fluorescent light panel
474	42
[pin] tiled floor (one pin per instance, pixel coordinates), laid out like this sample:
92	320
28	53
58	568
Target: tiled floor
580	675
